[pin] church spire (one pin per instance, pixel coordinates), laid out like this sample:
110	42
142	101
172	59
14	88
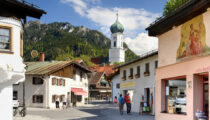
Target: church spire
117	26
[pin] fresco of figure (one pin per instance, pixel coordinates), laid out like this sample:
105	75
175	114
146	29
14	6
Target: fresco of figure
195	42
193	39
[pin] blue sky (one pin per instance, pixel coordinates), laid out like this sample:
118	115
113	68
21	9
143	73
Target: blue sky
135	15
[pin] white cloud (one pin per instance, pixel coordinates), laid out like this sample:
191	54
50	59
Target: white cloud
133	20
142	43
80	6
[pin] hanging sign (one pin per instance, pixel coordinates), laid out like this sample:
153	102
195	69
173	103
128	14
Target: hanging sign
34	53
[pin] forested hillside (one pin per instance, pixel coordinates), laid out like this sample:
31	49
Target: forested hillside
61	41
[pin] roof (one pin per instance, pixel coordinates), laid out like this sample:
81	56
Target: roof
107	69
179	16
96	76
144	56
100	60
19	9
47	68
117	27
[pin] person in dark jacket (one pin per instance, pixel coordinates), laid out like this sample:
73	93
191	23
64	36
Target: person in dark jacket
128	103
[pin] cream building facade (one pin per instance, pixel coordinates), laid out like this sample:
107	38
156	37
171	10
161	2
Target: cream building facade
138	79
12	68
41	90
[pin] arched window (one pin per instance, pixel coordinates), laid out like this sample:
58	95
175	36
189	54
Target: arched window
115	43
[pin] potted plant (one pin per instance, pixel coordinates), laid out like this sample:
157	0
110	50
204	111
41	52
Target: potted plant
86	100
137	76
130	77
123	78
146	74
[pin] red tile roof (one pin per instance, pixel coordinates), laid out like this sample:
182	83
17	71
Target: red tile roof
78	61
107	69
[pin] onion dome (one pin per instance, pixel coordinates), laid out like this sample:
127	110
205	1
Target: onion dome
117	27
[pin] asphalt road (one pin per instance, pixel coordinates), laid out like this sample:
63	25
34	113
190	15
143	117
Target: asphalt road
93	111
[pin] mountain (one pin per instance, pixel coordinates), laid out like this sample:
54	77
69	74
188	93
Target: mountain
61	41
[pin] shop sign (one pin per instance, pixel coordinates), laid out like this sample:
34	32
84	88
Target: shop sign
103	91
130	84
204	69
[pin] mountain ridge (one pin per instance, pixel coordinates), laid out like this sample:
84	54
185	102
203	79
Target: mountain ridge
62	40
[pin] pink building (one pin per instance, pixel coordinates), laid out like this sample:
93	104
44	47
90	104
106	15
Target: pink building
182	79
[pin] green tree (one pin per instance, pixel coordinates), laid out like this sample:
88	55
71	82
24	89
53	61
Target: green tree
171	5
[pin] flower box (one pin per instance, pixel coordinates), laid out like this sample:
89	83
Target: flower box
123	78
130	77
137	76
146	74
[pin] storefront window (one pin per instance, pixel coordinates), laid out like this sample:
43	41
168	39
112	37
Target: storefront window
175	96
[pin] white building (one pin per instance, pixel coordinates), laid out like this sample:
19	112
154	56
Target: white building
138	79
12	69
117	52
47	80
115	78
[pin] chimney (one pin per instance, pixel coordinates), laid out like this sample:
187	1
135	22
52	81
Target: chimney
42	56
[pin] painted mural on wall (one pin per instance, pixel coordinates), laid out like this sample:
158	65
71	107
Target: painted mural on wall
193	39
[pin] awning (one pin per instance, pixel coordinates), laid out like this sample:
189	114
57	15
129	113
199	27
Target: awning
79	91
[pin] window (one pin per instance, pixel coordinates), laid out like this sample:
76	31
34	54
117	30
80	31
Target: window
15	95
37	98
58	82
147	67
115	44
146	73
131	73
81	74
174	96
74	74
5	39
156	64
53	98
37	81
137	72
61	97
79	98
54	81
118	85
124	75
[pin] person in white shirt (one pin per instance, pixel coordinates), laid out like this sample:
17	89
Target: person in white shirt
64	102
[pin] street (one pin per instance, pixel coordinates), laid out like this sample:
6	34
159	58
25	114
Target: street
94	111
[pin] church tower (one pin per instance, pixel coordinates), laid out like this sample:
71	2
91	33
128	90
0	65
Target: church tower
116	51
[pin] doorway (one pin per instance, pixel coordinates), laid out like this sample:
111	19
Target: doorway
206	95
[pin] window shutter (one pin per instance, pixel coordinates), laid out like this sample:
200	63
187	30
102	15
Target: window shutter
57	81
60	82
64	83
53	81
60	98
34	99
53	98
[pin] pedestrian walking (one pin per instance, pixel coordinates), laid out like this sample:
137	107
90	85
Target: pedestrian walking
121	102
128	103
57	101
64	102
115	100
